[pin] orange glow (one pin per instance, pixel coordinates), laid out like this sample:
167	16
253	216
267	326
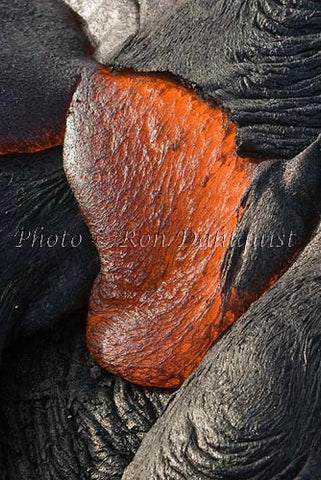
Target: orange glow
235	305
155	171
40	141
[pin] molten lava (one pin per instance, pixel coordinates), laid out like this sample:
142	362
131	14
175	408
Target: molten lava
156	175
41	141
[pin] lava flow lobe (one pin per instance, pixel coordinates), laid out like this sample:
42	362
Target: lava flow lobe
157	178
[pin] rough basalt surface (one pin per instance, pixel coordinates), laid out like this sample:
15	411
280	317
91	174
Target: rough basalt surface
252	409
260	59
62	416
108	24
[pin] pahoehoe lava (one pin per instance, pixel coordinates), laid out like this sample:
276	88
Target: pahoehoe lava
148	159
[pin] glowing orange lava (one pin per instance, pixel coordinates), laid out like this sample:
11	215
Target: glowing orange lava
40	141
155	172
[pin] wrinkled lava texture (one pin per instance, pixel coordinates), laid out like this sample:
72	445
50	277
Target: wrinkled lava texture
43	53
259	59
251	410
50	261
155	172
